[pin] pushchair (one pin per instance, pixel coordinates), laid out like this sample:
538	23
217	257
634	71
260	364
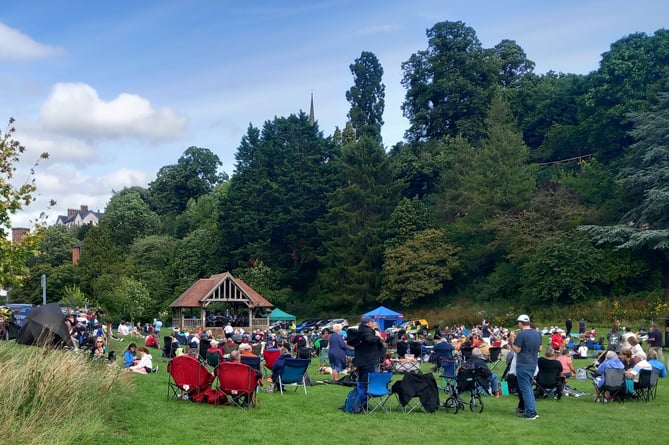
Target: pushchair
466	381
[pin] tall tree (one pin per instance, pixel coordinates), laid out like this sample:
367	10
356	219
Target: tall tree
409	217
55	248
129	218
419	269
448	85
195	174
645	227
367	97
353	227
513	63
500	180
630	75
276	195
150	261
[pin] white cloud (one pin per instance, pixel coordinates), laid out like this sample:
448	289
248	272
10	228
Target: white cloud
72	187
18	46
76	108
62	148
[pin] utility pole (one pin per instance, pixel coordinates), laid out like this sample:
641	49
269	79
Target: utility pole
43	289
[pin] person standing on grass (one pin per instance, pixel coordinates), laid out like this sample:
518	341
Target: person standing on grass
526	345
337	352
655	342
370	351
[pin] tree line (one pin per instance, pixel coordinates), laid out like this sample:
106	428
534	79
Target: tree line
471	204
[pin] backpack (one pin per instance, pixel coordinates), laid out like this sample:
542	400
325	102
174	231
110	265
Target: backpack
355	401
353	337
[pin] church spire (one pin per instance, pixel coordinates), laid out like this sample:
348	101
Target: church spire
312	119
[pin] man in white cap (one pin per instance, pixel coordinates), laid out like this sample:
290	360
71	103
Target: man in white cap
526	345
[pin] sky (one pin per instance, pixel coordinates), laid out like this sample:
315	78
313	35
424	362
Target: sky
114	91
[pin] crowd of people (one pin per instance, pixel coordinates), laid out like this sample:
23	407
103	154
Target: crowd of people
371	350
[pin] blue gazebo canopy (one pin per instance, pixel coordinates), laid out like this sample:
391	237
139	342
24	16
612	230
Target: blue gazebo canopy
385	317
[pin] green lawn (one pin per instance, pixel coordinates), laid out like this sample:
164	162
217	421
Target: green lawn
144	415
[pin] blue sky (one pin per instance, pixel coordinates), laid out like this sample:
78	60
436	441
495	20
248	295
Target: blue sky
116	90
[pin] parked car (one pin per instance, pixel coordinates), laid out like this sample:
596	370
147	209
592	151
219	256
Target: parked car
409	326
307	325
21	311
279	324
9	327
330	324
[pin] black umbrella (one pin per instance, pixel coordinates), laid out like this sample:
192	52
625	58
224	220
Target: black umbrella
45	325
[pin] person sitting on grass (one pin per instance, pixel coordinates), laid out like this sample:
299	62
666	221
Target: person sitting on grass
99	350
151	341
487	379
636	348
277	368
638	364
246	350
145	364
657	364
582	351
611	361
568	370
129	356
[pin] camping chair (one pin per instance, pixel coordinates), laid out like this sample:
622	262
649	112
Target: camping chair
253	362
654	378
213	359
417	390
416	349
293	371
644	388
448	372
495	356
466	352
270	355
240	382
323	358
257	348
169	351
614	385
204	345
187	378
378	391
549	383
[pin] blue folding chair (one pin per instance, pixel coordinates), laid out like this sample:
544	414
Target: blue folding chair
293	371
378	391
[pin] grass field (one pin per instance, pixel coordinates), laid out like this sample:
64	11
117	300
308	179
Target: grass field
142	414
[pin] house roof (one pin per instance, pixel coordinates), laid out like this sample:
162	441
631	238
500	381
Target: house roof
205	287
79	215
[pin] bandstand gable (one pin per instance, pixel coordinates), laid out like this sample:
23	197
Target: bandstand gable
223	288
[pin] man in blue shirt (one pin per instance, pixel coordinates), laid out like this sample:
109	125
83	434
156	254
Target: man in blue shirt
656	364
526	344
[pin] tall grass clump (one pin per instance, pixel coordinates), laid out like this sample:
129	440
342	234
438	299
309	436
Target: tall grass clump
55	396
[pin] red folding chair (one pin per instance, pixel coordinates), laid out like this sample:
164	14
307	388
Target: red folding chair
240	382
270	355
187	378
